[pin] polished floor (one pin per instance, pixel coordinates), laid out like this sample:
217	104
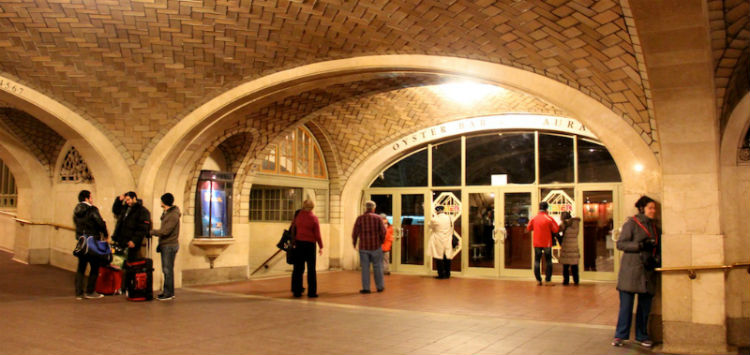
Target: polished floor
415	315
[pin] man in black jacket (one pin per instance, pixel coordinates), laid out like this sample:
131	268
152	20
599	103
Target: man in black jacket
88	222
133	223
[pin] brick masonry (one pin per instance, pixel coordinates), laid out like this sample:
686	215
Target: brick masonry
44	143
730	44
135	68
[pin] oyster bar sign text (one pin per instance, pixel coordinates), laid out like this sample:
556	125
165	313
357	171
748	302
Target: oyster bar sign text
487	123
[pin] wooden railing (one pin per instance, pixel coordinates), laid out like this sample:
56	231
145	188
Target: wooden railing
24	222
691	270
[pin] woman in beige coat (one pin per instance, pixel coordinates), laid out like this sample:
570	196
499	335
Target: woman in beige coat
569	255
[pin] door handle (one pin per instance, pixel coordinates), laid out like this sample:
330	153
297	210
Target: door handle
503	235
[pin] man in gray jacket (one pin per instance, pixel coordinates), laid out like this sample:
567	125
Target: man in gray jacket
169	235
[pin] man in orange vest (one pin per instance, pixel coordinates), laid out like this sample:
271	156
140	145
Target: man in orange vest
543	226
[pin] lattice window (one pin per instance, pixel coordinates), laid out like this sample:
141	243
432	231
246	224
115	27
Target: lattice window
744	152
274	203
8	192
295	154
74	168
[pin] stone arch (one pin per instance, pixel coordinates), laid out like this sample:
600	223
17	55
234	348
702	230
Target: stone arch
105	159
34	188
623	138
191	179
735	206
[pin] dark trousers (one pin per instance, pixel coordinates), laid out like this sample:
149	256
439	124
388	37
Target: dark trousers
305	254
168	254
625	317
81	274
567	270
443	267
547	263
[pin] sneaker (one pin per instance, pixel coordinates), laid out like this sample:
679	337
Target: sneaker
617	342
364	291
94	295
79	297
538	283
381	289
646	343
164	297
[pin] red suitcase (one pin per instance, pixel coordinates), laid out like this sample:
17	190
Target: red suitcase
109	281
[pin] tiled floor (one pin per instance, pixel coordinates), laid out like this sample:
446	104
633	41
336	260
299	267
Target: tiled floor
588	303
416	315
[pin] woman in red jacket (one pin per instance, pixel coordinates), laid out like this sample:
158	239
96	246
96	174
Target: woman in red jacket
307	234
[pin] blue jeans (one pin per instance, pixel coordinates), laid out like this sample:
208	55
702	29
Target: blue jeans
374	257
168	254
625	318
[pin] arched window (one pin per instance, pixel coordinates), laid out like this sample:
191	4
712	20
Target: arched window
296	154
513	157
8	192
744	153
74	168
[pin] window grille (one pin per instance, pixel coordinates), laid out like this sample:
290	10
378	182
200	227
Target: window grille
74	168
296	154
272	203
8	191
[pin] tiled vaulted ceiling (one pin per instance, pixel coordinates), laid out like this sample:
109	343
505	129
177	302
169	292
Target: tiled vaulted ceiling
138	66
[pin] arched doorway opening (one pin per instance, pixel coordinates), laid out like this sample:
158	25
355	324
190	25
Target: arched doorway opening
498	175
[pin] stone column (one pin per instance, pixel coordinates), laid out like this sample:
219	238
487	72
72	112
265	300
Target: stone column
677	51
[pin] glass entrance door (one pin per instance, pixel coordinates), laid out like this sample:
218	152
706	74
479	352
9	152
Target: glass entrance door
480	242
406	213
411	223
598	212
497	242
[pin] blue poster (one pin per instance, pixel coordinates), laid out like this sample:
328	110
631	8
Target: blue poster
213	210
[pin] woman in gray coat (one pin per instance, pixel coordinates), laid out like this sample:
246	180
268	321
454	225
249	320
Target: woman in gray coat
640	242
569	254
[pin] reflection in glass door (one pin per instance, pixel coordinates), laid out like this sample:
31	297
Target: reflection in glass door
598	247
518	241
481	219
412	229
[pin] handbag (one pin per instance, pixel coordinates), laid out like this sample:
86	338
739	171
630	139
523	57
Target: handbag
90	246
287	241
81	247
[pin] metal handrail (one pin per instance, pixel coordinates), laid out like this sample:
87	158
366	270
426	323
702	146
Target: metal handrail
692	269
24	222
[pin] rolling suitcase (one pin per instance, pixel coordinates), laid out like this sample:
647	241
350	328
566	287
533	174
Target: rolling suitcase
139	278
109	281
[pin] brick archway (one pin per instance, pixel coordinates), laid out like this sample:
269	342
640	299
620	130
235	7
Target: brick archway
105	159
623	138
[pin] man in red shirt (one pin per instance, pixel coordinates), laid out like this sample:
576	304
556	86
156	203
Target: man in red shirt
543	226
370	232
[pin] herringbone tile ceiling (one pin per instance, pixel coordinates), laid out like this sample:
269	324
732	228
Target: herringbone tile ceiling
138	66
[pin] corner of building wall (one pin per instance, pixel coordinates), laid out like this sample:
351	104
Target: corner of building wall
694	338
737	331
